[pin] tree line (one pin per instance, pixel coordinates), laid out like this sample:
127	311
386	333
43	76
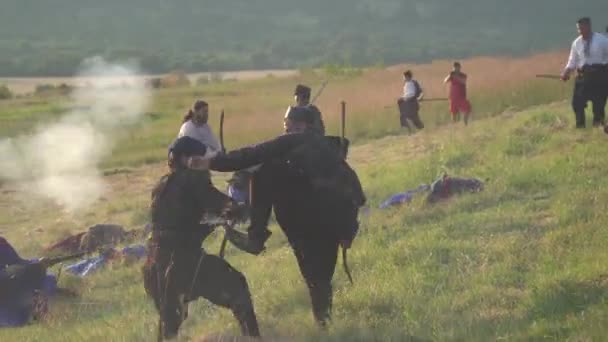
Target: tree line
51	38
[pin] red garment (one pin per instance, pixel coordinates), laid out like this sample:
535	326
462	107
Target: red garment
458	95
458	89
460	105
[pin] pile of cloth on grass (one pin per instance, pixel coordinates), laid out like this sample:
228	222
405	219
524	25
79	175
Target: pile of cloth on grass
441	189
446	187
95	238
101	239
24	287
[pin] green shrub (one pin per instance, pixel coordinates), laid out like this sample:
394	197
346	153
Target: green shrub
5	93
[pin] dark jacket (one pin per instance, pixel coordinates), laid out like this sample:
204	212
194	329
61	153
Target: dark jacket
181	199
310	175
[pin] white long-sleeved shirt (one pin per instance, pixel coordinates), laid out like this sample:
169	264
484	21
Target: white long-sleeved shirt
201	133
409	90
598	52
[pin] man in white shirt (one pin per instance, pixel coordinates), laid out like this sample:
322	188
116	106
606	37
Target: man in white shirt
195	125
589	57
408	103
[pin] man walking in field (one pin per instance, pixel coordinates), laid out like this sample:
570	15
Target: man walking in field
408	103
589	57
458	94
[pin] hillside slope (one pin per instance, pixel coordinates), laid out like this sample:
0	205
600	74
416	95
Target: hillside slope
525	259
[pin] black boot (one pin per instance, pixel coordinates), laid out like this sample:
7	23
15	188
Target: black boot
321	298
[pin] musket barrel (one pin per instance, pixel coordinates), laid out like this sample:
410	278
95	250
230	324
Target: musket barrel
549	76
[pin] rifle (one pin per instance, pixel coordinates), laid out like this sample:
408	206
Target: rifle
321	88
42	264
50	262
16	276
549	76
434	99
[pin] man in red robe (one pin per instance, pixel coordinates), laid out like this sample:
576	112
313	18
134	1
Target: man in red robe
458	94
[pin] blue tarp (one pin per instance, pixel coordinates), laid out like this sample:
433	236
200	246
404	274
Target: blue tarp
88	266
403	197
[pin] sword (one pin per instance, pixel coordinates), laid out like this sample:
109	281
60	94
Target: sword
225	239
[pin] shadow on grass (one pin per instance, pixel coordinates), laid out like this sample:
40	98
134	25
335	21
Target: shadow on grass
569	297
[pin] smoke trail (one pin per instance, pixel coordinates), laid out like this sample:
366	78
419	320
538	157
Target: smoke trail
60	160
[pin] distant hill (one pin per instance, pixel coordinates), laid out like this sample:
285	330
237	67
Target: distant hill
51	37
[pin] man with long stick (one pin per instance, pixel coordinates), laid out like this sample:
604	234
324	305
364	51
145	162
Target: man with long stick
589	57
408	103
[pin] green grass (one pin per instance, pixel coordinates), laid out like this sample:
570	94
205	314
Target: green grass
254	111
523	260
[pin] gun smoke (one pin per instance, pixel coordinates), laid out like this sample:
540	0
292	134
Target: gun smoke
60	160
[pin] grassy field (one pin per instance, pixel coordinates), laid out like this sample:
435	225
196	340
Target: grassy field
523	260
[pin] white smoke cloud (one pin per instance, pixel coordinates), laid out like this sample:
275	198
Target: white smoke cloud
60	160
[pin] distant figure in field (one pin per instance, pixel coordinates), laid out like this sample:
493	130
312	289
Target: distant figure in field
195	125
458	94
302	98
589	57
408	103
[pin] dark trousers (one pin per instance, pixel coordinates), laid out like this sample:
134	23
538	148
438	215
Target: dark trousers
317	261
585	91
408	110
261	197
313	238
169	279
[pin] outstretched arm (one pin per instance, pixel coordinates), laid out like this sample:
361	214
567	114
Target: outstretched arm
572	63
254	155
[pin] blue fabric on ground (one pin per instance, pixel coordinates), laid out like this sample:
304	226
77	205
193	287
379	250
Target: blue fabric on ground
17	310
88	266
403	197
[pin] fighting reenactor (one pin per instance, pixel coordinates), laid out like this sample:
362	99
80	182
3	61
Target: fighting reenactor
178	270
315	195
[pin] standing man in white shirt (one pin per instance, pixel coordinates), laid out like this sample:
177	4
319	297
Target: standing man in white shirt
589	57
195	125
408	103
